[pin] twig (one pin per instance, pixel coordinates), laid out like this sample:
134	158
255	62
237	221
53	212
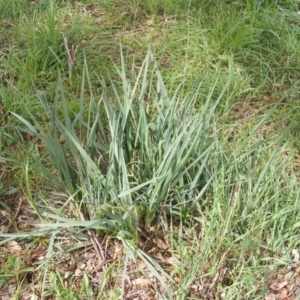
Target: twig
7	82
15	215
71	54
96	245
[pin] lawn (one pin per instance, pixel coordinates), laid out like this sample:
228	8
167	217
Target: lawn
149	149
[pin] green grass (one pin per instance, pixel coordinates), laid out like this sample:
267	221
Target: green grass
163	163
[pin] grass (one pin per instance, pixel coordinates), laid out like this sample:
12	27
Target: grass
163	164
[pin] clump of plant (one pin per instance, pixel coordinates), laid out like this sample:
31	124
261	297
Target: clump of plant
136	151
129	159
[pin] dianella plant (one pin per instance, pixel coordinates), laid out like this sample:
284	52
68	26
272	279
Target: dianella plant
131	156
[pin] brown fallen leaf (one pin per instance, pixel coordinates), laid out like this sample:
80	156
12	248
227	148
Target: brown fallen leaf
3	229
283	295
289	275
153	250
4	213
23	225
117	252
161	244
78	272
173	260
142	265
68	274
278	286
14	247
38	252
270	296
140	281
